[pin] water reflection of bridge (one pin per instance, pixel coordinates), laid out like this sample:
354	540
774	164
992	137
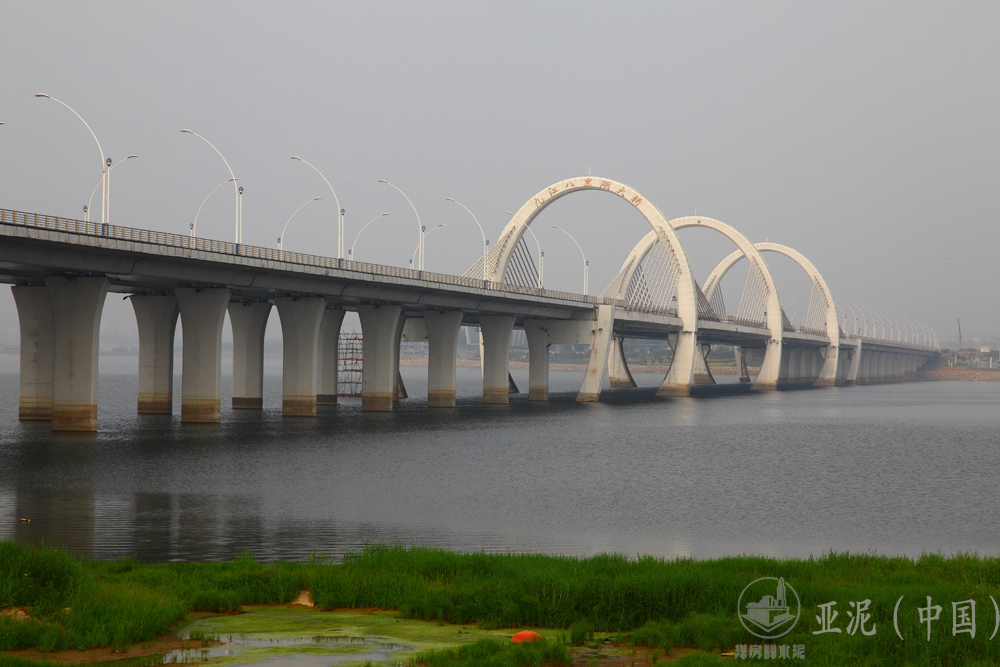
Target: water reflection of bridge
62	270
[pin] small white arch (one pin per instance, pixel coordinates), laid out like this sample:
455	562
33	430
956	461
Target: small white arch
767	378
681	374
828	373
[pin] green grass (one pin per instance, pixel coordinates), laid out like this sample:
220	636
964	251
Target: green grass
495	653
648	601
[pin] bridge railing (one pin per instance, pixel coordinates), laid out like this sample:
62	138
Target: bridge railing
170	239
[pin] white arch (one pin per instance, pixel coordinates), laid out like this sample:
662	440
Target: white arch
828	374
767	378
680	376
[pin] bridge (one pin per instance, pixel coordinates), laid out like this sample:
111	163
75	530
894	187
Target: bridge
62	269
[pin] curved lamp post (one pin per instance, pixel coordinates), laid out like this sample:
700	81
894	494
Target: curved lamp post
340	211
586	264
350	253
239	193
281	242
420	265
194	225
486	241
541	254
413	256
104	163
90	204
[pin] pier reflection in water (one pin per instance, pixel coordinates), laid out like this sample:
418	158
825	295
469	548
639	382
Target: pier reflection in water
894	468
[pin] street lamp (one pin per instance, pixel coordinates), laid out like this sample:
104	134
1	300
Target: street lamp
90	204
350	253
239	191
281	243
485	241
541	254
420	265
586	264
425	236
340	211
104	166
194	225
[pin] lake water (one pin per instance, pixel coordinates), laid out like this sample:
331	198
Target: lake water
897	469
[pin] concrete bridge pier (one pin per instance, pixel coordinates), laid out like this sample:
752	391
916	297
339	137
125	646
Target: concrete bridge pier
830	367
854	366
442	354
795	362
618	371
740	353
600	344
249	321
398	388
328	356
496	351
34	312
911	367
898	369
203	313
702	374
865	366
380	329
784	371
300	320
77	304
881	367
156	317
538	360
680	376
773	368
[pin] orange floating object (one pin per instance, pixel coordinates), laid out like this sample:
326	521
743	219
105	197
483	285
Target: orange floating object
525	636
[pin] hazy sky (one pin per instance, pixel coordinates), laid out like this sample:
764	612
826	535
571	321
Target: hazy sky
863	134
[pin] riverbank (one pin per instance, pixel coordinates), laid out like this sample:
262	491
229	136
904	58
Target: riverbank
958	373
68	603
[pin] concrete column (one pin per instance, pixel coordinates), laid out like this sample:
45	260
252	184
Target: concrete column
496	350
34	312
795	365
827	375
77	304
881	372
156	317
618	371
680	376
538	361
740	353
328	359
809	365
203	313
773	368
702	374
911	367
865	366
600	345
248	320
784	372
379	326
399	389
300	320
898	372
442	354
855	365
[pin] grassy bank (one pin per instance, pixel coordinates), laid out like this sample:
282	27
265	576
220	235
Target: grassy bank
647	601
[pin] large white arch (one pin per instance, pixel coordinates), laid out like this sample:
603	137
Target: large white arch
828	374
680	377
767	378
